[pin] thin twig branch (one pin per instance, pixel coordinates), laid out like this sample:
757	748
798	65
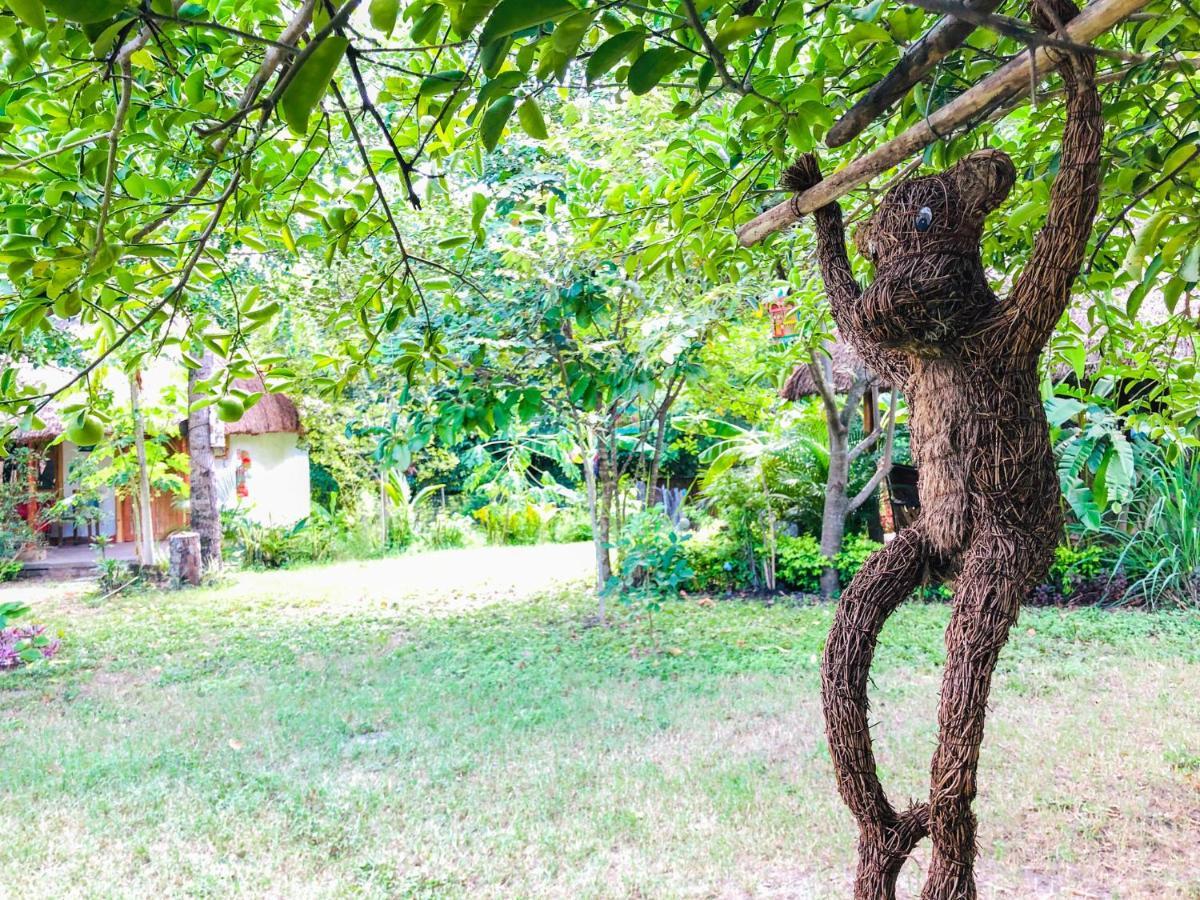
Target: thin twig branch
885	461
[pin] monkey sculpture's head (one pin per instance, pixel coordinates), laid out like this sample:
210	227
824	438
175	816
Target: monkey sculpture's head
924	239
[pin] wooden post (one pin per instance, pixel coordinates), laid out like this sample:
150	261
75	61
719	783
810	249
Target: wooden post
185	559
144	521
1009	81
31	482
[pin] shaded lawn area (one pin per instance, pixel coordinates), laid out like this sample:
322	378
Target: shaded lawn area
447	725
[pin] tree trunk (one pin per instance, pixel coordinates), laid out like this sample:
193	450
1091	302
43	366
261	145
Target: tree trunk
205	517
184	567
144	520
383	509
591	463
837	503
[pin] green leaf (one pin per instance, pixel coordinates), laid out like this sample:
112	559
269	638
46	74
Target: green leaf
1190	270
569	33
426	25
494	120
739	29
309	84
289	240
611	52
193	85
652	67
86	12
479	205
471	14
512	16
31	12
383	15
442	82
531	119
491	57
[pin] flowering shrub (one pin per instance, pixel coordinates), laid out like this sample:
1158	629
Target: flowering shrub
20	645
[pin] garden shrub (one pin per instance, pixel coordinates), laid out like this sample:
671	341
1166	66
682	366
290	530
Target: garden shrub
718	563
570	524
445	532
514	522
651	563
1076	564
799	563
855	550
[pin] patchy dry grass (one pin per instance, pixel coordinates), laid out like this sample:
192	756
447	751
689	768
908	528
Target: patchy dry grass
446	726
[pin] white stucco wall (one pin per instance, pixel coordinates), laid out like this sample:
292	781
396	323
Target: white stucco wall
72	456
277	480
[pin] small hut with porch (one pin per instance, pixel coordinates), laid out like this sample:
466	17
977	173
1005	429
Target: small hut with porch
261	464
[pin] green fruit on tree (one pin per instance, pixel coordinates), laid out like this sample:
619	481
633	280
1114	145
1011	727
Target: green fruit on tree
85	430
67	305
86	11
229	409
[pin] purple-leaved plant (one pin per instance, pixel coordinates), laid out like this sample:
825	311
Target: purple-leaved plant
25	644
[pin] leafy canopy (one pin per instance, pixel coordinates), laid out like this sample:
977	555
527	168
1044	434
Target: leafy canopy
155	154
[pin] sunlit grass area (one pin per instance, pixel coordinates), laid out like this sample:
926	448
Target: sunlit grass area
451	725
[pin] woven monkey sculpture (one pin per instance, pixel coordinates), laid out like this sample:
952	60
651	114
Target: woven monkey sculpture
989	521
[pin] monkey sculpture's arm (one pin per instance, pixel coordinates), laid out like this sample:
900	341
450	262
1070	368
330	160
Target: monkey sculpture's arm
842	289
1043	289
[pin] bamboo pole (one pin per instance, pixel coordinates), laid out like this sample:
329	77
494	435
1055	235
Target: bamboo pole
1012	79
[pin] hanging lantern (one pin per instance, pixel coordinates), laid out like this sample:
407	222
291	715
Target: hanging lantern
782	313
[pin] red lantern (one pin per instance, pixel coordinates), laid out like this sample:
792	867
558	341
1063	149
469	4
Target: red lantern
782	313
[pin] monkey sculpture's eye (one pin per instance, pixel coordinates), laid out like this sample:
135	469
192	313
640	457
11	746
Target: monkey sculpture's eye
924	218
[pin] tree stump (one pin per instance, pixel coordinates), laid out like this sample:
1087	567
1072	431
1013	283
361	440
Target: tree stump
185	559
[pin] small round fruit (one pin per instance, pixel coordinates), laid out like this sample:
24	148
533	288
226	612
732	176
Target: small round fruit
85	431
229	409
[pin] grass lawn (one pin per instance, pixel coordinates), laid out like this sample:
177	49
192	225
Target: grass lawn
447	725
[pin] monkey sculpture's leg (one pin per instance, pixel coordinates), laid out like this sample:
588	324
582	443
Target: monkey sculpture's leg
997	571
885	838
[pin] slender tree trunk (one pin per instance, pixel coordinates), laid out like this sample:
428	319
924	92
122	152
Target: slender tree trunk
769	558
833	520
383	508
604	512
144	520
205	517
660	437
591	463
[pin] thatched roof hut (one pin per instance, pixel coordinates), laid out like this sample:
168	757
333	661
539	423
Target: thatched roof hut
272	414
844	363
52	427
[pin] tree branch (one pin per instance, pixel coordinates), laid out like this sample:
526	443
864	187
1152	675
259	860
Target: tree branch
1015	28
1008	81
885	461
918	60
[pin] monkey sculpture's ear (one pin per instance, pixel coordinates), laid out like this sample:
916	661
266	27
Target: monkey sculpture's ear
983	179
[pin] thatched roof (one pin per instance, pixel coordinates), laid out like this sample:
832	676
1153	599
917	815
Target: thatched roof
53	427
272	414
844	363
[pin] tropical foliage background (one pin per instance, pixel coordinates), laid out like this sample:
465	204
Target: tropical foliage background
491	244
